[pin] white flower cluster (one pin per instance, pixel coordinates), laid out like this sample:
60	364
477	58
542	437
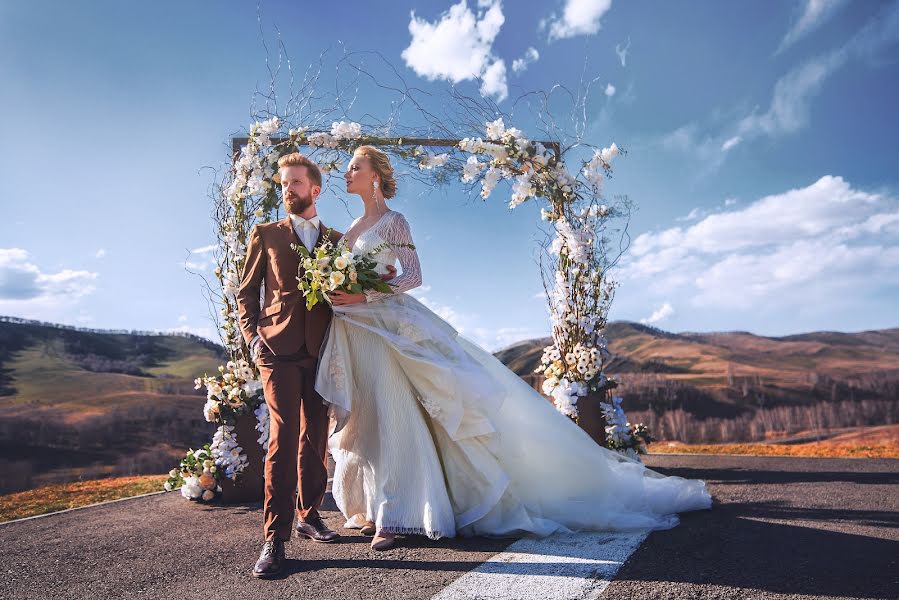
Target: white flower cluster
340	131
235	388
254	167
198	475
618	430
576	244
511	156
599	166
227	455
566	377
262	426
430	161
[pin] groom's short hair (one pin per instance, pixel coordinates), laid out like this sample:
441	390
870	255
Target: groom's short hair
296	159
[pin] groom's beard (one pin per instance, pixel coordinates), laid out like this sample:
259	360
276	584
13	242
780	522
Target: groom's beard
297	204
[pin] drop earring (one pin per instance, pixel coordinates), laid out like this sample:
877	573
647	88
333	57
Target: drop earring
374	193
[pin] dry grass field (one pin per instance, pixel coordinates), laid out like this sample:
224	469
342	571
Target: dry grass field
867	442
62	496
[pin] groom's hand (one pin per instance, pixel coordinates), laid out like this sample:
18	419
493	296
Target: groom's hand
390	274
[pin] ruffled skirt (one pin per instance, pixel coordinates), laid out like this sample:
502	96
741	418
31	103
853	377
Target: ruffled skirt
432	435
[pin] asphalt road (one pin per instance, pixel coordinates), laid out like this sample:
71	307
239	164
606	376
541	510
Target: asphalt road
780	527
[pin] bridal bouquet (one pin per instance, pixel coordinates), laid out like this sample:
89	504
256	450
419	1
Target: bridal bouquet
333	268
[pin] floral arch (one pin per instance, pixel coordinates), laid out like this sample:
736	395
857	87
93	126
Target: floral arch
575	266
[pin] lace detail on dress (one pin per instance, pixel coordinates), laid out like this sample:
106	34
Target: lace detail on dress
394	230
432	406
337	371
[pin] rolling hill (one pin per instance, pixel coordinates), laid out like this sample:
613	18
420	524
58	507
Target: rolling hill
80	403
84	403
725	374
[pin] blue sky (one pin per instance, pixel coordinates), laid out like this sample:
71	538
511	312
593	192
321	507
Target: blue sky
761	140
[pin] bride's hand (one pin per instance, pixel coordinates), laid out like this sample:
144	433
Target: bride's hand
340	298
390	274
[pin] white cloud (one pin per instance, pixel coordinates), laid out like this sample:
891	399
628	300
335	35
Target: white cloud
826	240
730	201
622	52
814	13
204	249
789	110
610	90
519	65
182	318
472	326
493	82
21	279
660	314
200	260
459	46
100	253
579	17
26	291
730	143
694	214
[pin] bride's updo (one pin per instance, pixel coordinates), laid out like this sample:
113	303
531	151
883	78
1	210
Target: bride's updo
380	164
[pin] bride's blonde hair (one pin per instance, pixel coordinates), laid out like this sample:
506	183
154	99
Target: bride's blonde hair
380	163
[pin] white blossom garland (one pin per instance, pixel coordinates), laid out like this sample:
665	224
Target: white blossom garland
578	301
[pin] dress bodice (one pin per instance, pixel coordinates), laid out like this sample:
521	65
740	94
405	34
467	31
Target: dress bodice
392	238
370	240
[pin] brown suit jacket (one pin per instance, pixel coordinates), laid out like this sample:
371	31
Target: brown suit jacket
282	321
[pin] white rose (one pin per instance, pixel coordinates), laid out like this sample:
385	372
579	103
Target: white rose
173	473
337	278
341	263
550	384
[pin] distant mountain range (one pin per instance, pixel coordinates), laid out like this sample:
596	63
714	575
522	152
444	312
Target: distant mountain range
725	374
79	403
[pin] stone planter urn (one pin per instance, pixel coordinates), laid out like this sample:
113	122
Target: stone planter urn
590	417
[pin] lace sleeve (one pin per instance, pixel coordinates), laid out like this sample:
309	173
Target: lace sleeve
396	232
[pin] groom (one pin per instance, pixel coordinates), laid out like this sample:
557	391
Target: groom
284	340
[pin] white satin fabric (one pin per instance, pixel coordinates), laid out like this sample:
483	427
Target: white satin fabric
433	435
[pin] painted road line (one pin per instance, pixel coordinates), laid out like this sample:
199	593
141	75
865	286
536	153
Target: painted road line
569	566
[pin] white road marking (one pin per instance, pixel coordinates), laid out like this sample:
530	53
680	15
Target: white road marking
570	566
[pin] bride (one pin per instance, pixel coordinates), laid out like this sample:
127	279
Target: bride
432	435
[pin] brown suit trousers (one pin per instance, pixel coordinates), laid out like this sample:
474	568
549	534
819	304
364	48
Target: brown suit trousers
291	339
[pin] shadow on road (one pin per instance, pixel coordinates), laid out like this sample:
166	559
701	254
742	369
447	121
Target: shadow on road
782	532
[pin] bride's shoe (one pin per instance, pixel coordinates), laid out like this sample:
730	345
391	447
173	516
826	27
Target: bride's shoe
368	529
383	540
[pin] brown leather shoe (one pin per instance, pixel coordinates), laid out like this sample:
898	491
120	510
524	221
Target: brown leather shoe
368	529
383	540
271	560
315	529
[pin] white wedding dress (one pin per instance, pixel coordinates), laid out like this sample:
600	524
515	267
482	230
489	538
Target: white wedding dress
432	435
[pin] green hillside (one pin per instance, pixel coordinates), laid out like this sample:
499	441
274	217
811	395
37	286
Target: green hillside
77	403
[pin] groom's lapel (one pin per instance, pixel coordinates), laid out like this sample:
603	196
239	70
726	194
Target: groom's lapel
289	255
322	233
289	231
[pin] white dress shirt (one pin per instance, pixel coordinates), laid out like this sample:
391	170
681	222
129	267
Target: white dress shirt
307	229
